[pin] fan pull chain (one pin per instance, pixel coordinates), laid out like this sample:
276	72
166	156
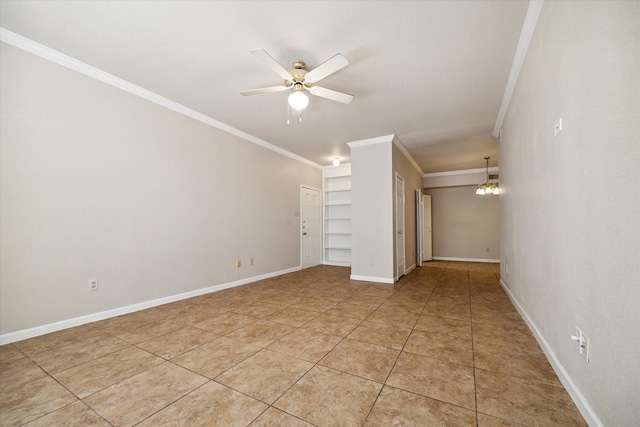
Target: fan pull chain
289	115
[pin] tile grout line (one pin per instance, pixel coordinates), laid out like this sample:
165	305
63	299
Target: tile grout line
384	384
473	352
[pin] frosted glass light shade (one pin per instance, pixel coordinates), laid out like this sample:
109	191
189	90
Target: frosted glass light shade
298	101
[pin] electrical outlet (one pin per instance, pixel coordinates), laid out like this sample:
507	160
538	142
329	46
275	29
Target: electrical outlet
251	261
488	250
238	263
583	343
93	285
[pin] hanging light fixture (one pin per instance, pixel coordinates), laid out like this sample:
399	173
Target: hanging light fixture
298	100
488	187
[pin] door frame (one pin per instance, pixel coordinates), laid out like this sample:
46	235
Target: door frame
427	219
320	223
419	226
400	219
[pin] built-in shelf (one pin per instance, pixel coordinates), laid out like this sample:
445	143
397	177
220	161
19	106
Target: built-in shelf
336	184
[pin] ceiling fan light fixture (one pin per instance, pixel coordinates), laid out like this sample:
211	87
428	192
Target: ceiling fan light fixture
298	100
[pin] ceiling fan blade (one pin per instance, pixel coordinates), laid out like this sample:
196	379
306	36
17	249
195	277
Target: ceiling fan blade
334	95
263	56
263	90
329	67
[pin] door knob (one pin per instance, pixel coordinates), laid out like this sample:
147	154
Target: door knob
304	234
400	232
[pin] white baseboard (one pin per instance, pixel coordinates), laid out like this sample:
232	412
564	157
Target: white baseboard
338	263
578	398
372	279
444	258
77	321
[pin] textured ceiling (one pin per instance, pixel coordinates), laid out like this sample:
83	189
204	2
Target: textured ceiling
431	72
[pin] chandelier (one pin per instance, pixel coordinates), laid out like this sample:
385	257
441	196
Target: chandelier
488	187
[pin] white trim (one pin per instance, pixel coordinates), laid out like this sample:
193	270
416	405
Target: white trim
77	321
338	263
302	187
371	141
528	27
372	279
578	398
52	55
460	172
406	271
444	258
388	138
404	151
395	230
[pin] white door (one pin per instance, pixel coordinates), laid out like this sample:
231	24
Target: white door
310	227
419	227
427	242
400	236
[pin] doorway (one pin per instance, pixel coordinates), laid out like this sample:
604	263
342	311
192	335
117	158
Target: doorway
310	227
427	240
419	227
400	236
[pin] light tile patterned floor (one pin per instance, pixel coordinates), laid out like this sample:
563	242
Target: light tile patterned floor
443	346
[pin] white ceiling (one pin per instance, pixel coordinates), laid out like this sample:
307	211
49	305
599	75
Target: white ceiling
431	72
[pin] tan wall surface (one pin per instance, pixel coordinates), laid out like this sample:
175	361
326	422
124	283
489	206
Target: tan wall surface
465	224
98	183
570	235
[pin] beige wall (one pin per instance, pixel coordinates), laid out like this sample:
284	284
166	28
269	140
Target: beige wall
570	234
465	224
97	183
412	182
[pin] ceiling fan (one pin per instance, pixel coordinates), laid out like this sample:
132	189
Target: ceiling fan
300	80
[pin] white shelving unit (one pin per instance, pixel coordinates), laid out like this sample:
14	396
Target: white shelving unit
337	215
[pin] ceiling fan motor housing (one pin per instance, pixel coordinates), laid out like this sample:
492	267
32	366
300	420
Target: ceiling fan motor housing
297	74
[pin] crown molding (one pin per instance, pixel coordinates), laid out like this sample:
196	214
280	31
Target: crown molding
59	58
528	27
387	138
371	141
460	172
409	157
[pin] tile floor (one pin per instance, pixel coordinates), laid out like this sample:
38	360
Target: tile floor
442	347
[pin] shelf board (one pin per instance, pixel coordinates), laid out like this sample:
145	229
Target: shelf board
338	204
342	248
332	233
338	219
337	191
339	263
